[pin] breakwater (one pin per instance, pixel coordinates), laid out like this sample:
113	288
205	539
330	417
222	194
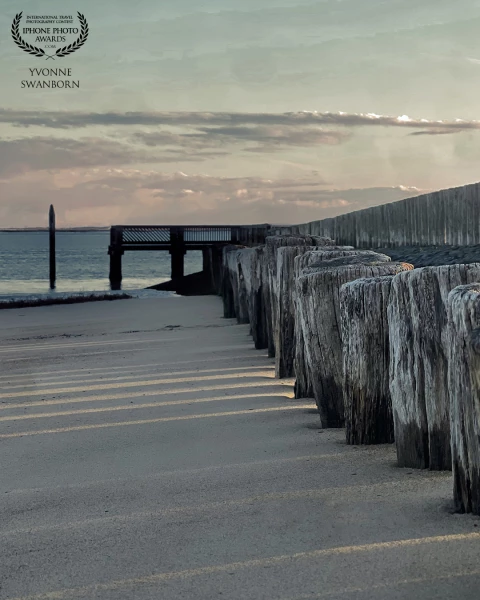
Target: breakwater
447	217
388	351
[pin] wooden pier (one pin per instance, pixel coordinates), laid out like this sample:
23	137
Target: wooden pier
177	240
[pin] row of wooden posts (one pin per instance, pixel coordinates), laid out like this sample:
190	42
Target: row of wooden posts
389	352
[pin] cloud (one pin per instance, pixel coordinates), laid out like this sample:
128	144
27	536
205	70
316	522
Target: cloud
267	137
104	167
96	139
153	147
101	196
226	121
437	131
21	155
40	153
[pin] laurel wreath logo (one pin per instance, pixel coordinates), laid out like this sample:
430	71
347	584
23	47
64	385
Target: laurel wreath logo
78	43
22	43
60	52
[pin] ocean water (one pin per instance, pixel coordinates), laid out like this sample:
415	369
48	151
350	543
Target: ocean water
82	264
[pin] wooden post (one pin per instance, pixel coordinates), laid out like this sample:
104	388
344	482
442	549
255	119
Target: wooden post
115	251
366	355
318	305
463	343
177	251
417	315
284	333
206	260
303	384
51	229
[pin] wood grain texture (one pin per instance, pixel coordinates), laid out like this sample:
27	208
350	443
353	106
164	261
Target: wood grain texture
238	261
303	386
284	287
244	278
227	290
271	290
463	338
417	315
250	288
318	300
366	355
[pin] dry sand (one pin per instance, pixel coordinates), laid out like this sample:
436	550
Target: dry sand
147	452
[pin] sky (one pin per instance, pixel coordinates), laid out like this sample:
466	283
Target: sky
220	111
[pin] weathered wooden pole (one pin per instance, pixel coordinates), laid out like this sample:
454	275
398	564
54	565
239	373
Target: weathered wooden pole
115	250
303	383
463	343
51	233
284	328
366	359
318	305
417	316
272	244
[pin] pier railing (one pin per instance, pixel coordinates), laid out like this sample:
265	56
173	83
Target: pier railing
155	237
177	239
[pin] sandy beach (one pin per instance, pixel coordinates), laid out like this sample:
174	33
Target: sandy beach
148	452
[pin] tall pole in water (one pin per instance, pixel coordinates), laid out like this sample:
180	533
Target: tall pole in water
51	230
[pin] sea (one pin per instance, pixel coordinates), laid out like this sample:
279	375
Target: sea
82	265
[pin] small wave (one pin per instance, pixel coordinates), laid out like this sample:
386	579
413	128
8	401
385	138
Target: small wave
133	293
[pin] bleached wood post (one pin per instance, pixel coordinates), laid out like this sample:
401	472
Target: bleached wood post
366	353
272	244
463	338
228	293
303	386
318	293
284	326
417	315
237	282
243	282
257	310
251	292
252	270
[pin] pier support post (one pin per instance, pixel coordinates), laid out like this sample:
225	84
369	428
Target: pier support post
177	262
177	252
116	270
206	260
